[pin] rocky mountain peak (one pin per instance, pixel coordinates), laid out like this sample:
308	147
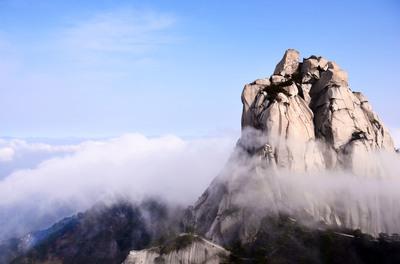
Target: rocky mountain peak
301	123
310	101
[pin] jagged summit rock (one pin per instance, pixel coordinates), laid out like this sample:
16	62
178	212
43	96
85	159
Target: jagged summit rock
307	101
289	63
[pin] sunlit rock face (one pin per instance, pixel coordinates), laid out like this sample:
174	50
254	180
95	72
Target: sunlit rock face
309	100
306	136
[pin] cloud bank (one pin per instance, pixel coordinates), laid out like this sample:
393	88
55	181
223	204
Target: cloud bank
42	182
22	154
130	166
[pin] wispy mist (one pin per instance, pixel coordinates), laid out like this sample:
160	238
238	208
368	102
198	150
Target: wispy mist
74	177
131	166
366	198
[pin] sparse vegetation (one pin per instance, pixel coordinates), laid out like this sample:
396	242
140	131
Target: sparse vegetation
281	240
179	242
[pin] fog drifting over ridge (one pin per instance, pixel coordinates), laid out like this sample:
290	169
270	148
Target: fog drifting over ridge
130	166
360	194
58	180
338	197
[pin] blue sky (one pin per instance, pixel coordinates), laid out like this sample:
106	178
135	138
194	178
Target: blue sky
104	68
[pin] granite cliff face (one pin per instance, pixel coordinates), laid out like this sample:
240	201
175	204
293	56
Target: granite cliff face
300	123
308	101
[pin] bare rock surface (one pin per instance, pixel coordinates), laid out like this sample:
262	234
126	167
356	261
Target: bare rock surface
195	250
309	101
289	63
303	120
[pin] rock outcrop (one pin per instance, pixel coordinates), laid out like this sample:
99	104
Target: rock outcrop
304	119
186	249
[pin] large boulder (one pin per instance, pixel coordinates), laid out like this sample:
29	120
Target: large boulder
289	63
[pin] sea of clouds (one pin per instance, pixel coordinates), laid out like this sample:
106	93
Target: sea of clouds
41	182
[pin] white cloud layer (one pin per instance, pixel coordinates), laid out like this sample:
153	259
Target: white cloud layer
18	146
6	154
132	166
70	178
22	154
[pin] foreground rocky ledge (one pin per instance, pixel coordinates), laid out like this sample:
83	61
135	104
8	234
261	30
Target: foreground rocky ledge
185	249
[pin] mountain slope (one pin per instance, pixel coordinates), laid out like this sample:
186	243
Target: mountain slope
103	234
